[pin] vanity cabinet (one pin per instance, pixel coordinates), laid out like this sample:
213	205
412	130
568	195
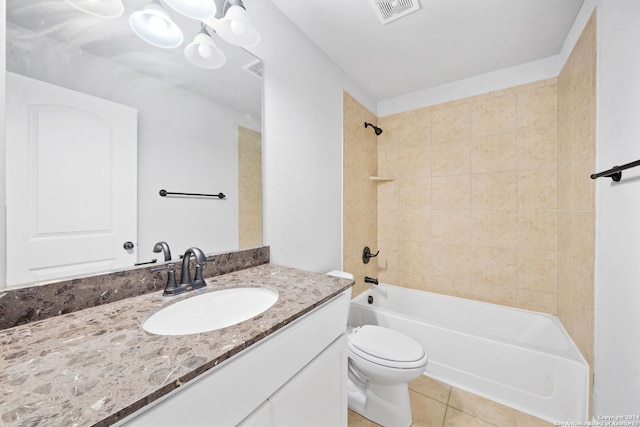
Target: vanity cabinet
295	376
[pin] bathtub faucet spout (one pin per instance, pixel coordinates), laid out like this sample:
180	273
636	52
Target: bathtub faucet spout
368	279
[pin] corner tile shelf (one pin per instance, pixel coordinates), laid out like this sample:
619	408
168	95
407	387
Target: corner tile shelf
381	179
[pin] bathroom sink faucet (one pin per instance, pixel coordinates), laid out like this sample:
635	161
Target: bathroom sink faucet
164	248
201	260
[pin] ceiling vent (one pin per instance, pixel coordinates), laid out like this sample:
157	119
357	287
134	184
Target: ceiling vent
390	10
255	68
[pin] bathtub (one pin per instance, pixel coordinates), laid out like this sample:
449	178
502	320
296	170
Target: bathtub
521	359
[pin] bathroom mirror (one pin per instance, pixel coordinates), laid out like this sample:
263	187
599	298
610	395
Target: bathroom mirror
196	131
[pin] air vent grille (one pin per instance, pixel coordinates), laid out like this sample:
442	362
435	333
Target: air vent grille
390	10
255	68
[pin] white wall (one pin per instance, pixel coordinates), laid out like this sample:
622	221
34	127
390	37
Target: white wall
542	69
617	293
186	143
302	143
3	212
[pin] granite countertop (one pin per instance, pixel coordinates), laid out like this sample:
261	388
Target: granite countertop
96	366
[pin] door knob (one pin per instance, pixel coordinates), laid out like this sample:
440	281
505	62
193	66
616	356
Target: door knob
128	245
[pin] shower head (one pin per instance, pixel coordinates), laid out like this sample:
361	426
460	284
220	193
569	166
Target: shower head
376	129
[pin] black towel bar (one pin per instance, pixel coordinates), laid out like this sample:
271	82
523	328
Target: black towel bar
165	193
615	173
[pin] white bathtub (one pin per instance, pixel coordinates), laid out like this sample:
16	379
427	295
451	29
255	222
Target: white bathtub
522	359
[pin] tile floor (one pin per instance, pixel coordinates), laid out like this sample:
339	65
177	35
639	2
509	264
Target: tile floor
436	404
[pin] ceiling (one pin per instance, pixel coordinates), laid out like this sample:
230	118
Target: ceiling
444	41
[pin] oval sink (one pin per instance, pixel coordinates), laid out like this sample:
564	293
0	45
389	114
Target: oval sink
210	311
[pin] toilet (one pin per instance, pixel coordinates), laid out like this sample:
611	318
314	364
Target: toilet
381	364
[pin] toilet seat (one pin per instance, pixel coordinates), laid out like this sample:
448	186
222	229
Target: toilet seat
386	347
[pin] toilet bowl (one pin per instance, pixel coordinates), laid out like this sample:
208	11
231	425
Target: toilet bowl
381	364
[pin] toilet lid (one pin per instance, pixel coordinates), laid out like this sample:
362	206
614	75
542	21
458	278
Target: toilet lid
386	347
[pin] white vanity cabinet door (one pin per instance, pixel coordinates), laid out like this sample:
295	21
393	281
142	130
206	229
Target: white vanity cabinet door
317	395
261	417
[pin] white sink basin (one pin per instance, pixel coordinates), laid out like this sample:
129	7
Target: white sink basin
210	311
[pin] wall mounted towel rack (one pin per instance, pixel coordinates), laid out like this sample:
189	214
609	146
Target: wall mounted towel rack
615	173
165	193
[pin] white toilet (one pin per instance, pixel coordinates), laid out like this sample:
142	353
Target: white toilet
381	364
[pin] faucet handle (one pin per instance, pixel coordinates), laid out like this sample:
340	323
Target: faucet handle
172	288
198	280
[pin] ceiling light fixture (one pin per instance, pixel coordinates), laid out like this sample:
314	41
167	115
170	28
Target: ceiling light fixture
203	52
195	9
100	8
234	26
153	25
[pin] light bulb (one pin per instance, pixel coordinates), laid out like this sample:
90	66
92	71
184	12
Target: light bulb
158	25
237	27
204	50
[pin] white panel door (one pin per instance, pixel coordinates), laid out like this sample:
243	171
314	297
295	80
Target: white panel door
71	182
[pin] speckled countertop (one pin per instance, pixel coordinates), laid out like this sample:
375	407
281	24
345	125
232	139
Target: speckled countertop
96	366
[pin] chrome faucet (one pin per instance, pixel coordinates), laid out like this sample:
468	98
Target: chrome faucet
198	281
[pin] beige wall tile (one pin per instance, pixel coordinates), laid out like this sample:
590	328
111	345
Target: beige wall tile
583	186
538	270
451	227
451	158
388	259
497	229
537	301
417	281
451	261
576	106
538	230
494	115
584	235
414	160
565	186
451	192
538	189
494	191
494	266
538	108
414	226
414	257
494	153
413	193
489	193
388	225
458	287
537	148
360	195
494	294
451	123
388	195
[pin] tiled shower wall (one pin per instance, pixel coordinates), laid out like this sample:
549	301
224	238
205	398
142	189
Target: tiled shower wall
249	188
360	194
576	191
473	210
487	197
